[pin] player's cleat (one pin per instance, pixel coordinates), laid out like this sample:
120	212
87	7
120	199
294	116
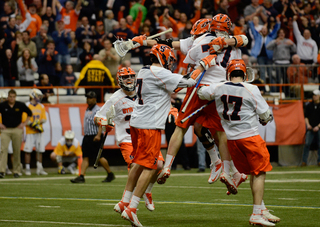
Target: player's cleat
215	171
1	175
79	179
16	175
109	178
27	172
270	217
238	179
120	207
72	169
164	174
40	171
148	201
130	214
226	179
258	219
61	170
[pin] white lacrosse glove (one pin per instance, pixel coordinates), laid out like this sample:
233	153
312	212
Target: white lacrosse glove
208	61
199	93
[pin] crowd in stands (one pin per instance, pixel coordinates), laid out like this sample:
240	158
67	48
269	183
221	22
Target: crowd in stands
41	36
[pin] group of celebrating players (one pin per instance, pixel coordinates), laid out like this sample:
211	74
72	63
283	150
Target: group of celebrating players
230	121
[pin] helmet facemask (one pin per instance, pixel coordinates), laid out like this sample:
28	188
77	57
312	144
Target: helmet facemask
36	95
127	82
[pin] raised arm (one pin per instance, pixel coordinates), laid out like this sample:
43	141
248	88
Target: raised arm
44	7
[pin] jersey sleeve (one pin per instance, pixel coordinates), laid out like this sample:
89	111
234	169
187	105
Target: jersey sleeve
169	80
261	104
58	150
208	92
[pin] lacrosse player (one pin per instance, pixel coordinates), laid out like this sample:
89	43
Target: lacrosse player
155	84
123	101
208	119
34	132
238	104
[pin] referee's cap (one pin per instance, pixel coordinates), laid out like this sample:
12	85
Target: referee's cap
91	94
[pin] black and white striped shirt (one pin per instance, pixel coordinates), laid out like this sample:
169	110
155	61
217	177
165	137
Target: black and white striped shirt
90	128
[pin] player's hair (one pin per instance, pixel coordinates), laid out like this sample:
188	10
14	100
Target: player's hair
12	92
154	59
237	73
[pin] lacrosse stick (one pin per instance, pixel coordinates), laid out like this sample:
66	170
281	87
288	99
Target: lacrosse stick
193	91
197	111
110	114
122	47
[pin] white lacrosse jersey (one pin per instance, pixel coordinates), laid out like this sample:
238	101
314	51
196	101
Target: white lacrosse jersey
238	105
200	49
186	44
123	105
154	88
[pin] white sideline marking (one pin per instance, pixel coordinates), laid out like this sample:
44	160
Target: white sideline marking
227	200
62	223
49	206
287	199
126	176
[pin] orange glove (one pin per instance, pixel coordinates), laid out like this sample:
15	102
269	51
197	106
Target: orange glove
140	40
208	61
216	45
195	74
173	115
241	40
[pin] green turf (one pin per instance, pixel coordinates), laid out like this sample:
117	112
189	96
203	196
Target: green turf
185	200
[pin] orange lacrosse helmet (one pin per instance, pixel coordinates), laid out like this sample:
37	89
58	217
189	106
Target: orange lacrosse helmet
221	22
201	26
123	75
164	54
236	64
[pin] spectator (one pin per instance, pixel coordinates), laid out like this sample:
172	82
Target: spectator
297	73
69	15
282	49
47	92
49	13
12	130
109	21
100	36
8	11
254	9
36	21
95	74
67	150
27	44
68	79
34	132
27	66
62	39
41	38
48	59
259	50
87	55
85	33
88	10
123	32
134	25
270	10
136	8
312	113
10	32
9	66
73	46
110	58
23	21
307	48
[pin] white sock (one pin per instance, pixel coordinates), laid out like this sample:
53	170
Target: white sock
233	168
169	161
149	188
213	154
134	201
257	209
7	167
263	207
27	166
226	166
39	164
126	196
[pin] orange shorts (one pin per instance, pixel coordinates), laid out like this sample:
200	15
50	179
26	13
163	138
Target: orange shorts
208	117
250	155
126	150
146	146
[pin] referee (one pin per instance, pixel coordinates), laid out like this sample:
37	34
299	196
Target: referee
12	130
91	140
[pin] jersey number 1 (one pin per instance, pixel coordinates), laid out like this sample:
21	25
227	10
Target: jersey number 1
237	103
139	85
